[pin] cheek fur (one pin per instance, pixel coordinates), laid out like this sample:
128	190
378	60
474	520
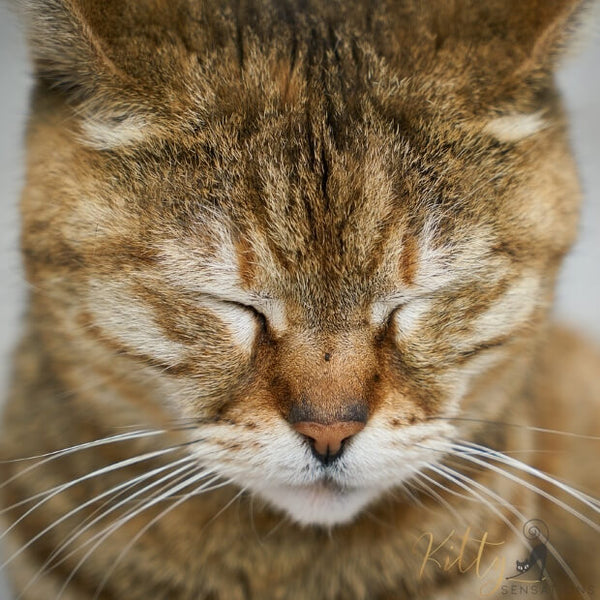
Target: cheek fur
123	317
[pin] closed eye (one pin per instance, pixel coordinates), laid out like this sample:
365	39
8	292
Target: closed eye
252	310
382	311
268	312
242	320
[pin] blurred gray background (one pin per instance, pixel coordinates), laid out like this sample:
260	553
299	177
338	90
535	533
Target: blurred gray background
579	292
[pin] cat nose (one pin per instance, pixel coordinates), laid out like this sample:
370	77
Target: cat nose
327	439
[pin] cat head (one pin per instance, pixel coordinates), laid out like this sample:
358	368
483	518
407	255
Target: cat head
320	232
523	566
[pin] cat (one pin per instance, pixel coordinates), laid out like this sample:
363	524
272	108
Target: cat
289	327
532	530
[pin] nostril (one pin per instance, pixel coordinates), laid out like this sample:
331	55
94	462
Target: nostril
327	439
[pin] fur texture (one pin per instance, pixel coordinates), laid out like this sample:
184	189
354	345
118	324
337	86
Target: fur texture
240	215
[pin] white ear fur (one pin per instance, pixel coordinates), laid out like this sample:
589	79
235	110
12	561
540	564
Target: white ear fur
515	127
106	135
68	54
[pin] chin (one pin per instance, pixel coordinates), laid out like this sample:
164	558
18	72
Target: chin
320	504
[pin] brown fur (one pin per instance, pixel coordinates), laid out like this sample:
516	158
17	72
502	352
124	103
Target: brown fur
324	157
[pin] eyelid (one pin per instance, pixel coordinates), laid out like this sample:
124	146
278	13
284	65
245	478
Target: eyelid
211	297
250	307
383	310
256	312
268	310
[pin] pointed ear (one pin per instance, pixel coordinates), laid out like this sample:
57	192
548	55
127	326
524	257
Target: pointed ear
547	29
524	36
121	63
66	51
71	57
505	52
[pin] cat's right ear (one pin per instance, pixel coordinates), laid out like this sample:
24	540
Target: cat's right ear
66	51
103	58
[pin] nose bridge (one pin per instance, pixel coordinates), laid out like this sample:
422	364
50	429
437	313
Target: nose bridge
328	379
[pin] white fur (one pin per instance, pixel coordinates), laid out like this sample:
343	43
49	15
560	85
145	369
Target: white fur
512	128
103	135
513	308
409	317
318	504
274	311
217	278
239	320
382	309
121	316
283	471
440	266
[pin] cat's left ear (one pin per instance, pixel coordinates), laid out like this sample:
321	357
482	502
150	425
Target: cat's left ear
508	51
548	30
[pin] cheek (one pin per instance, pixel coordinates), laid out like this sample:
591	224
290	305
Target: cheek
125	319
201	354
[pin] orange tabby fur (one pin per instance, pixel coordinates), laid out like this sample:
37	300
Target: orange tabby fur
241	212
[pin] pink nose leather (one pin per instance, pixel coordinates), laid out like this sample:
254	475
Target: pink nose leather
328	439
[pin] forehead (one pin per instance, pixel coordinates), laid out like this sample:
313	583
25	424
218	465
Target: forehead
332	176
328	224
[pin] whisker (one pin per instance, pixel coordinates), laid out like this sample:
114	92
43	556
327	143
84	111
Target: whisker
468	456
555	553
81	529
446	488
410	494
61	488
465	482
155	520
444	502
517	426
49	456
426	489
586	499
112	528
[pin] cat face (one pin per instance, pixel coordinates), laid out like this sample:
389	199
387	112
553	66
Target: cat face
523	566
316	253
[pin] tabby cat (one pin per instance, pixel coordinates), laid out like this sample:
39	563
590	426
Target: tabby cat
288	333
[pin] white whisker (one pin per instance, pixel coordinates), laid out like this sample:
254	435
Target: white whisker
590	501
545	430
439	497
49	456
61	488
465	482
103	535
81	529
180	501
568	571
466	453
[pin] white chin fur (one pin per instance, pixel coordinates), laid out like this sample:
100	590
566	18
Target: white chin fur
318	504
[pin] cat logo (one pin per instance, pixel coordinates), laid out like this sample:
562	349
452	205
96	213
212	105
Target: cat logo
537	532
